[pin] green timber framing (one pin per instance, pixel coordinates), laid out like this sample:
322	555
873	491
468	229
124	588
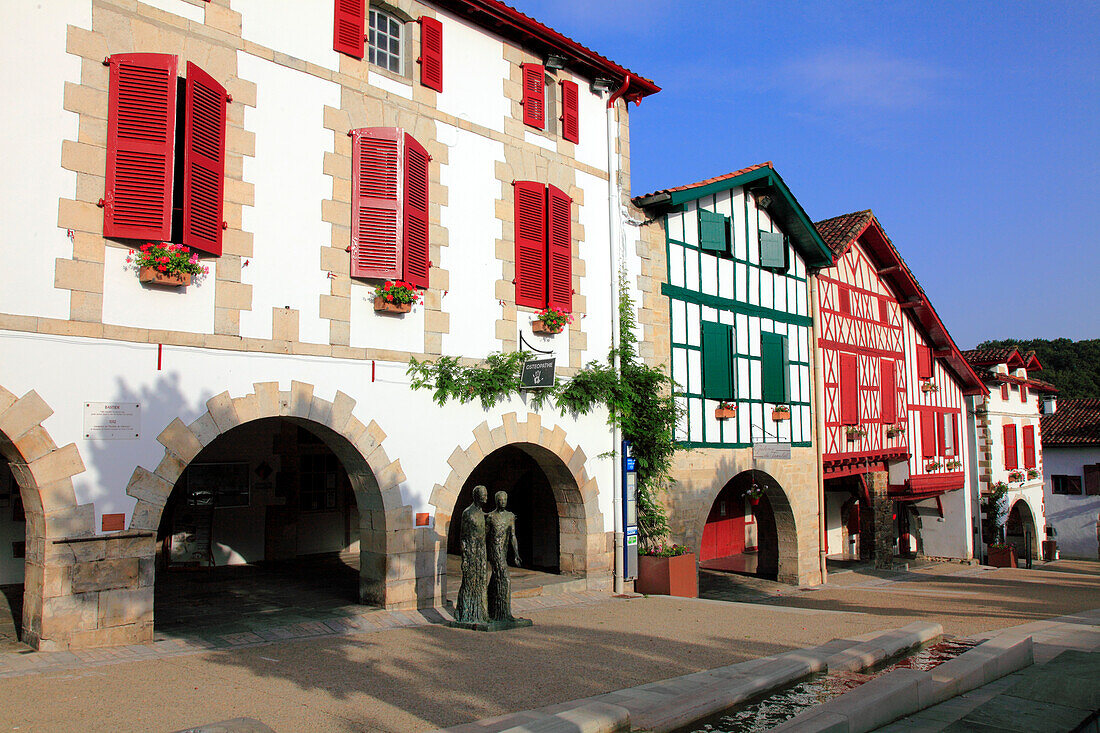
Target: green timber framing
749	381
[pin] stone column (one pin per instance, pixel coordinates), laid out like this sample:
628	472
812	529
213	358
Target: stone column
882	511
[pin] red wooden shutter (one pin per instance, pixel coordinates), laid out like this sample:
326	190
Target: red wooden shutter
559	249
348	26
1023	393
534	98
141	134
924	362
1029	446
955	432
431	53
889	392
928	433
203	161
884	310
849	389
1004	391
416	213
530	203
1011	460
375	209
844	300
570	111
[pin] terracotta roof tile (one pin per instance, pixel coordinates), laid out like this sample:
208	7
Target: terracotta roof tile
840	231
1074	422
986	357
708	181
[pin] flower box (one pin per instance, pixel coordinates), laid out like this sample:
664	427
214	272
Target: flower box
150	274
381	305
540	327
929	387
668	576
781	415
725	411
1002	557
854	433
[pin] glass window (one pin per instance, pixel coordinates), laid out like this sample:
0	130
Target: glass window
1066	484
384	41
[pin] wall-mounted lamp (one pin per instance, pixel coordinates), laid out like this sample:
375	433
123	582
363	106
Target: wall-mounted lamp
763	201
603	85
555	61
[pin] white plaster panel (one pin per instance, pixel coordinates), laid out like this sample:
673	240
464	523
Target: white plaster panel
691	265
300	29
725	278
767	288
695	419
474	71
127	302
754	286
695	370
679	321
676	254
691	224
34	179
289	185
676	227
592	113
473	228
682	423
384	330
393	86
742	332
597	284
533	138
178	7
680	368
693	328
737	203
709	274
741	282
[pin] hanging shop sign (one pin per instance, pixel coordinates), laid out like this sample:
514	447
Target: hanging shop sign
771	451
537	373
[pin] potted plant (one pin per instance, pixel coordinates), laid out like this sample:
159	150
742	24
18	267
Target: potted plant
953	465
753	493
854	432
396	296
781	413
668	570
1033	473
893	431
550	321
994	510
929	386
161	263
1016	476
932	465
725	410
1002	555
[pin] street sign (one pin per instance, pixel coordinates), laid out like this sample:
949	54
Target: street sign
537	373
771	451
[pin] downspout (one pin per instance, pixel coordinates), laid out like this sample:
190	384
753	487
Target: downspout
615	230
819	419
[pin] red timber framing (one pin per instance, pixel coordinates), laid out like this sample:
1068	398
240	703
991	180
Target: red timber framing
874	321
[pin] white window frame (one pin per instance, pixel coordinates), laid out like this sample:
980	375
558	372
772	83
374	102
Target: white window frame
384	57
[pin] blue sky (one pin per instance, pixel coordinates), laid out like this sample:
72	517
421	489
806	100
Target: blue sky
970	128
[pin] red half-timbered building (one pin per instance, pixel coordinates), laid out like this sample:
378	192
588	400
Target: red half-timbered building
894	437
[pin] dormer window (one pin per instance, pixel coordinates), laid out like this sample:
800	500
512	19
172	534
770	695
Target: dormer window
384	41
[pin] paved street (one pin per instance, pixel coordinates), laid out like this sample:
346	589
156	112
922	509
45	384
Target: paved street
424	676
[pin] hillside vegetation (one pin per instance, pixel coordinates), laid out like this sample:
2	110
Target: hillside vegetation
1071	366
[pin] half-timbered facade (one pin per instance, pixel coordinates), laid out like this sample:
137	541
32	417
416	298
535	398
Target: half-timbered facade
734	277
894	440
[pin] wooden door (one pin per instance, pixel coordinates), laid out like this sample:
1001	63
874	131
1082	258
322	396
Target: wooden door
724	532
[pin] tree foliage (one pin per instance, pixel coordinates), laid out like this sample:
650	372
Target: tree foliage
1071	366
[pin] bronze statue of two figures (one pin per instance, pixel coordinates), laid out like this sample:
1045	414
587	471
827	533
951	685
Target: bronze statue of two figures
485	596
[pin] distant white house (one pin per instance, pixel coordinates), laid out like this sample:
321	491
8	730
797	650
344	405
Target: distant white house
1071	452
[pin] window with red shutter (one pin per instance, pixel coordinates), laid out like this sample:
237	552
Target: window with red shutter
844	300
957	447
570	111
348	27
928	442
559	249
884	310
1029	446
203	161
1011	457
888	392
431	53
141	132
416	213
1004	391
924	362
849	389
375	210
530	213
1023	393
534	96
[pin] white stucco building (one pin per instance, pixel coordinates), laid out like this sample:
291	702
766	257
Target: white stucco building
1071	457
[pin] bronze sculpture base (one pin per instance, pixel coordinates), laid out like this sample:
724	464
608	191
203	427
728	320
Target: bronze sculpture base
517	623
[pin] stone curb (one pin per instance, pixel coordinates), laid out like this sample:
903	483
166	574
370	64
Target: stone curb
906	691
670	704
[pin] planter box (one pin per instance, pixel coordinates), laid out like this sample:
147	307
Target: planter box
1003	557
722	413
383	306
540	327
853	437
929	387
780	416
668	576
154	276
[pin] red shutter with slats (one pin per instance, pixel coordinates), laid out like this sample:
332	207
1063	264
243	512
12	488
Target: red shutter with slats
1011	460
375	209
141	132
431	53
203	161
570	111
534	97
416	213
849	389
1004	391
884	310
530	203
928	434
1029	446
559	249
888	392
348	27
844	300
924	362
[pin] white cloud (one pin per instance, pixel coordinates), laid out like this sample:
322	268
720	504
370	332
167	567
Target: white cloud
845	77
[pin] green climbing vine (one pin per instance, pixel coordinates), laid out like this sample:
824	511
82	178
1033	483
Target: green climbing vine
639	399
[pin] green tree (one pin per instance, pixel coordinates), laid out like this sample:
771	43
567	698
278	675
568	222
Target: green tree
1071	366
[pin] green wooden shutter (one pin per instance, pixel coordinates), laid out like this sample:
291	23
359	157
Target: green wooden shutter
775	368
712	231
717	361
773	251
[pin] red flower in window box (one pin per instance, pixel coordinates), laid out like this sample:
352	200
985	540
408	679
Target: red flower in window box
162	263
781	413
551	320
725	410
396	296
855	432
929	386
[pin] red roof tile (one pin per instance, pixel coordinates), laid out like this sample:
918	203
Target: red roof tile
1074	422
990	357
841	232
708	181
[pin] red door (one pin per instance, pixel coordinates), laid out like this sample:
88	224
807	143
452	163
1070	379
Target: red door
724	532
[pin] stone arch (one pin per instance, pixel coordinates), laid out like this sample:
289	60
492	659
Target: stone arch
781	519
1027	516
44	473
386	525
585	548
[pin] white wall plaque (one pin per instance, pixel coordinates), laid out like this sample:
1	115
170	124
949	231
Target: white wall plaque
112	420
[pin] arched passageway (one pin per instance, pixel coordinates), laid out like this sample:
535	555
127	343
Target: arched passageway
750	529
13	551
1020	530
